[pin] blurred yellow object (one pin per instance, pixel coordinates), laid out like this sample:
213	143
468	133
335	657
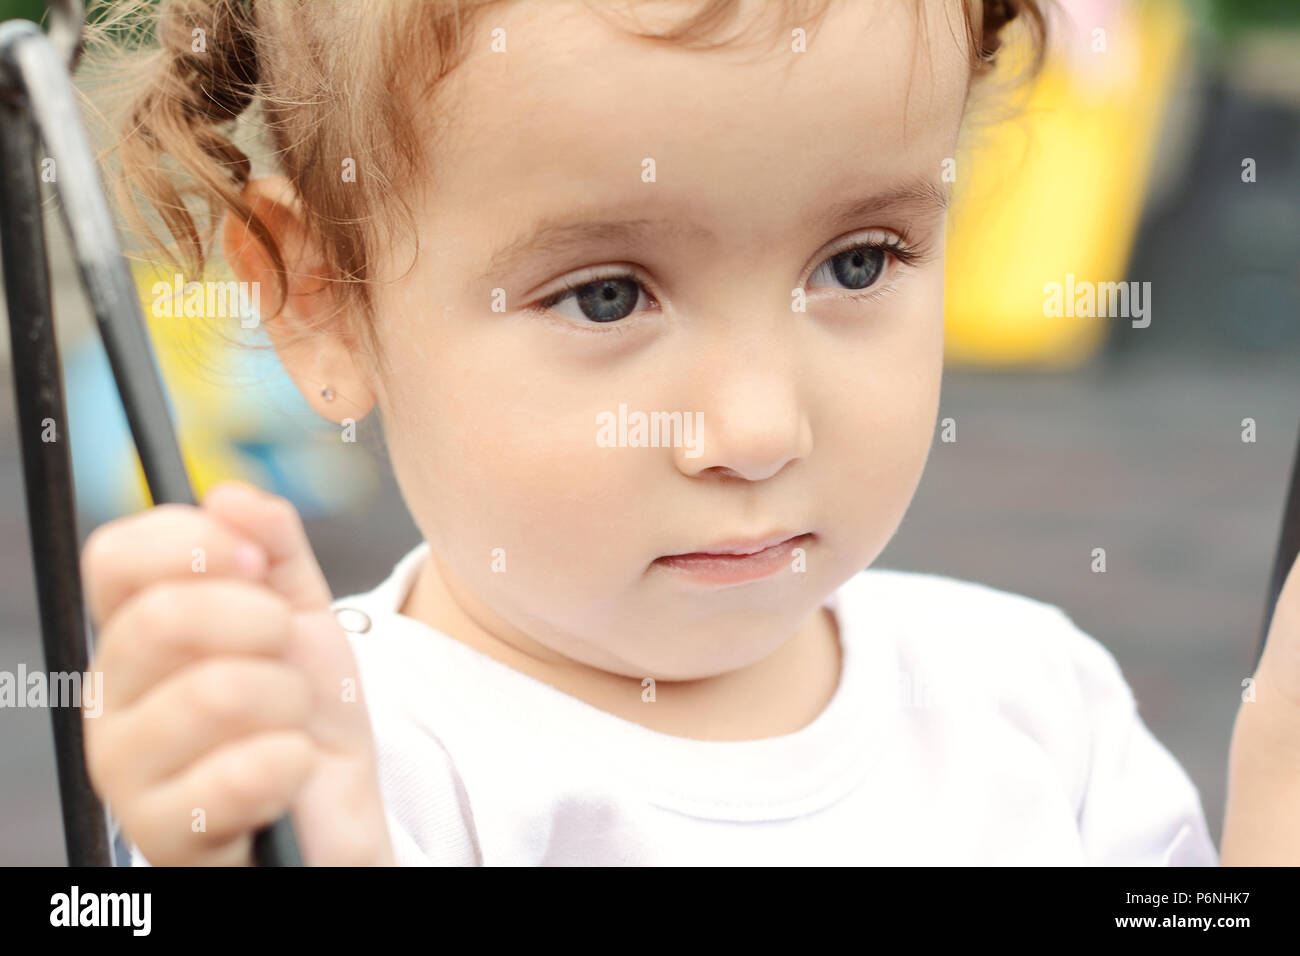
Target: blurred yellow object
1059	190
192	358
237	413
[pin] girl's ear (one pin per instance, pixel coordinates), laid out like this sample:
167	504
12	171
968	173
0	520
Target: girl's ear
319	359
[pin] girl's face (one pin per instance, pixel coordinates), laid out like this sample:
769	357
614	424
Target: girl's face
704	188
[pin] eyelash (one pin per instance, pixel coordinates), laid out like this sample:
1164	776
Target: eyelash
900	247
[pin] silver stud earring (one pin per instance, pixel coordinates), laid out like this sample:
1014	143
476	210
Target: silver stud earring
327	393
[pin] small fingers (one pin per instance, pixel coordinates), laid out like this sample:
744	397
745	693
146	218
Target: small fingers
166	626
170	541
208	813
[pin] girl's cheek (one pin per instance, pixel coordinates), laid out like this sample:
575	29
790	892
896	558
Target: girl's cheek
505	475
880	432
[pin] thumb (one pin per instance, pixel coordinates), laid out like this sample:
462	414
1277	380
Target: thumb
1279	665
273	523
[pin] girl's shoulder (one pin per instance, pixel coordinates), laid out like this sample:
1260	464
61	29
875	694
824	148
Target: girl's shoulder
937	618
972	648
1009	671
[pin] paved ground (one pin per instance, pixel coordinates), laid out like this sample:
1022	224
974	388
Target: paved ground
1140	455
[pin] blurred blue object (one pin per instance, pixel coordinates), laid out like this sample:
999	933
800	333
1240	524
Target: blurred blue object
245	421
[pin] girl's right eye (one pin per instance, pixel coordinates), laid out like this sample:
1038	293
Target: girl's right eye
603	300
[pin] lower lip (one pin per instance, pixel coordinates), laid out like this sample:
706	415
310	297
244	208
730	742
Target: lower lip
721	569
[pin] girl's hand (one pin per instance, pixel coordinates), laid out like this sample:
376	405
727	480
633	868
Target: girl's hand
1261	823
231	694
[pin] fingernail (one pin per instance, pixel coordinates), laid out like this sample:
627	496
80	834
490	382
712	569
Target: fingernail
249	559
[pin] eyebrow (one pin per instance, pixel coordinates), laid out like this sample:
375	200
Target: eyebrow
916	197
557	236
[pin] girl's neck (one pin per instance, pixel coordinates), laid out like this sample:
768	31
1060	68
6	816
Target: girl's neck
778	695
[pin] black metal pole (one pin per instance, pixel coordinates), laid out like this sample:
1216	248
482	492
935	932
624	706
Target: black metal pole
47	472
37	80
104	272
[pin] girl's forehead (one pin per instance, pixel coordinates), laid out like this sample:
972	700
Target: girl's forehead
577	112
868	59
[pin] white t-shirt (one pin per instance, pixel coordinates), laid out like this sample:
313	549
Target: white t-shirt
970	726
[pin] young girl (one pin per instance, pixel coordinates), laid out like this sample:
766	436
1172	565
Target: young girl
649	299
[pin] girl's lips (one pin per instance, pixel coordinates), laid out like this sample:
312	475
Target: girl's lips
719	568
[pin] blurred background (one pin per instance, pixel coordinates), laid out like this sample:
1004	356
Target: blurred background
1161	145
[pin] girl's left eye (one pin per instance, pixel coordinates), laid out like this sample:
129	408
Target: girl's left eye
861	267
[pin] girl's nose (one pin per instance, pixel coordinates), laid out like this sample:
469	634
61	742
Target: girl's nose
752	422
